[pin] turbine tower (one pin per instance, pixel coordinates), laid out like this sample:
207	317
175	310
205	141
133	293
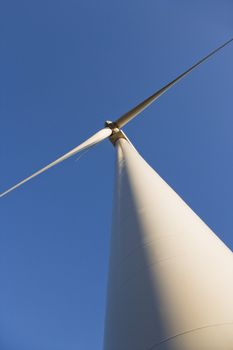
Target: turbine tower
170	283
170	278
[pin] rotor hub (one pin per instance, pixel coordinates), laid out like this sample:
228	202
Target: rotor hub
116	132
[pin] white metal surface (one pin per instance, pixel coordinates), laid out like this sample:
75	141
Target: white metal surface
170	277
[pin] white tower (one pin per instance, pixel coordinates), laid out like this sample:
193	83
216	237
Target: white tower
170	277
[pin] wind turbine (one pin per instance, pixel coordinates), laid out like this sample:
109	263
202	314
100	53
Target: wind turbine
170	277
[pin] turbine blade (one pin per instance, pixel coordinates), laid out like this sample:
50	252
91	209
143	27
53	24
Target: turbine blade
125	118
93	140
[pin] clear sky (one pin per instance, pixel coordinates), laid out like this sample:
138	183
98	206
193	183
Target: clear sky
66	67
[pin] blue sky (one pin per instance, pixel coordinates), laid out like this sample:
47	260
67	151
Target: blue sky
66	67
